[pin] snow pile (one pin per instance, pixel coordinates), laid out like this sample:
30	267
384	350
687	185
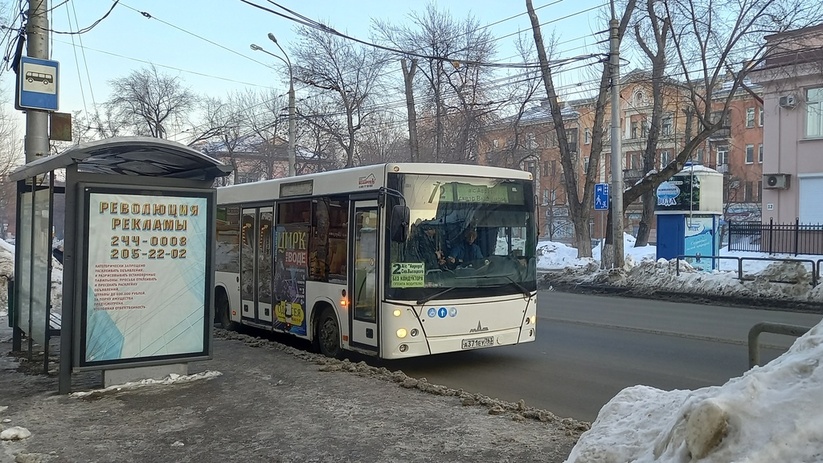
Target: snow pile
642	274
769	414
170	379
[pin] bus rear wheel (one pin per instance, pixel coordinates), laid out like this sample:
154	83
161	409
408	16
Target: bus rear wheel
328	335
221	306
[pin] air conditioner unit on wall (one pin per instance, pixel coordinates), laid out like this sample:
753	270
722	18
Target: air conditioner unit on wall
788	101
776	181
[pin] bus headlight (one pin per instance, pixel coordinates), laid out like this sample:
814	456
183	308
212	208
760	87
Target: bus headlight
396	312
401	333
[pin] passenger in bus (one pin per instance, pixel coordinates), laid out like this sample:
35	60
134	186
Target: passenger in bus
429	248
466	251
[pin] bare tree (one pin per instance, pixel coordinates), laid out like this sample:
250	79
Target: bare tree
712	39
349	73
146	102
450	79
384	141
579	208
654	48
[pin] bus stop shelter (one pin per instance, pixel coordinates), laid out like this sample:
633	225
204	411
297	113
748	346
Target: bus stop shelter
137	257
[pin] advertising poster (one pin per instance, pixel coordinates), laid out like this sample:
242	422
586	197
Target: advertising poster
291	268
146	284
680	193
699	241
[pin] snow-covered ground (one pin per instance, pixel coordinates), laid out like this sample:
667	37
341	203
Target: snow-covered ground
777	280
770	414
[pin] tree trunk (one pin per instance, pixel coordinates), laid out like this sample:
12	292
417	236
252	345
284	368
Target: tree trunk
408	79
646	219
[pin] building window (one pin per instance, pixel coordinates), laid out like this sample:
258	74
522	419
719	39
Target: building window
722	156
748	188
531	143
665	158
749	154
760	153
545	168
571	138
811	208
644	129
722	116
546	197
634	129
587	136
760	117
814	112
666	126
585	164
636	161
530	167
700	156
749	118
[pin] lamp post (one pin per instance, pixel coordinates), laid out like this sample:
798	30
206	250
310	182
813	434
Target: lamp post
292	160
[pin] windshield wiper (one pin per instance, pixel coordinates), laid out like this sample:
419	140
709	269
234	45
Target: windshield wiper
427	299
522	288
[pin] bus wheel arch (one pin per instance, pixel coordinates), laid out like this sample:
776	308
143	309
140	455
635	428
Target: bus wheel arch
222	309
327	332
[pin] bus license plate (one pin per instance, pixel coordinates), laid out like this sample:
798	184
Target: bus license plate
478	342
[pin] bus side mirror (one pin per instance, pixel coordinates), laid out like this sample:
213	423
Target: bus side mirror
399	225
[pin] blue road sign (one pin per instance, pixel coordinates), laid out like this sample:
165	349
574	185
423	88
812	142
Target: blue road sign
37	84
601	196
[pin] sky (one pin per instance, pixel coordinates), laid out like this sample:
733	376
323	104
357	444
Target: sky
769	414
207	43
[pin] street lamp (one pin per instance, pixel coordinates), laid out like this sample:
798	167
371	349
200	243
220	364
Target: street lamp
255	47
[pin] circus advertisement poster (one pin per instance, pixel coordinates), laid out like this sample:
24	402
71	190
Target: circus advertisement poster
291	268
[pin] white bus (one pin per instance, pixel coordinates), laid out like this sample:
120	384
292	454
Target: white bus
342	259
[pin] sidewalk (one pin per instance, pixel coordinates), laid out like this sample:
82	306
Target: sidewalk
272	403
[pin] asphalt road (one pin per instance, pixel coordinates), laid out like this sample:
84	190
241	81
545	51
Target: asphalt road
588	348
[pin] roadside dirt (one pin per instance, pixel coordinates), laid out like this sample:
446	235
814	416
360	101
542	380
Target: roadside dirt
270	402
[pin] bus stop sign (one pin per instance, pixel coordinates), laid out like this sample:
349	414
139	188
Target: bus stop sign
601	197
37	84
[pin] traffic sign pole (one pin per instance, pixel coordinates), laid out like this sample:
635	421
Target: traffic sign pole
37	121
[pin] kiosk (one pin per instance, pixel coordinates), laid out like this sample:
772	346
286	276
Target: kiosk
137	257
689	207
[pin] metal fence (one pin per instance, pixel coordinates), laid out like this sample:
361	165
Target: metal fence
776	238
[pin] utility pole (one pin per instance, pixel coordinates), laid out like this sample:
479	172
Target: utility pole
37	121
616	158
292	154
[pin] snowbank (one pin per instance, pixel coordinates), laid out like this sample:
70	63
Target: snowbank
769	414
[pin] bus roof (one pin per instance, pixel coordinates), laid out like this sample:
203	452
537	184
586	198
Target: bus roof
353	180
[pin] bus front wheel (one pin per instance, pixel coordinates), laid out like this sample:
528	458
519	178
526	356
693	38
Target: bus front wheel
328	334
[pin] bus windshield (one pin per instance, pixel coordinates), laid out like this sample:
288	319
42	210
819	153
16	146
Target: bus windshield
468	237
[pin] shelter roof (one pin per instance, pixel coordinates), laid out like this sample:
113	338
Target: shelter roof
135	156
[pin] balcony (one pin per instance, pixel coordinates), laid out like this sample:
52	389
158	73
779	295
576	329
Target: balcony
725	132
632	176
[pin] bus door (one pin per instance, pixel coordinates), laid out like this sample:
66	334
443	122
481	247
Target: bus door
248	236
363	276
255	264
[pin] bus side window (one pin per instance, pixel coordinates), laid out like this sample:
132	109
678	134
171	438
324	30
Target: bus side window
228	239
338	234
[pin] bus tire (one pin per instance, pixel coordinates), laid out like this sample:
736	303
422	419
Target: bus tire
328	334
221	308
